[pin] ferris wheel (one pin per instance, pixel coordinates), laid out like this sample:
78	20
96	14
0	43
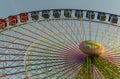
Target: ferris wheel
60	44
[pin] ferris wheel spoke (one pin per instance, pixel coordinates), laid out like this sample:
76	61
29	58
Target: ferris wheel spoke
100	67
25	40
42	36
80	31
60	31
15	43
83	30
105	32
59	66
74	45
11	54
81	72
70	71
66	69
31	60
36	51
45	62
97	74
23	34
56	39
113	48
61	38
32	36
71	33
114	69
50	61
12	66
75	30
70	36
12	74
66	31
111	36
44	59
89	26
53	33
97	32
78	34
11	36
109	68
30	46
112	57
70	25
73	72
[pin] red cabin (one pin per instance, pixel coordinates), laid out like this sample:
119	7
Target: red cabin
24	17
3	23
12	20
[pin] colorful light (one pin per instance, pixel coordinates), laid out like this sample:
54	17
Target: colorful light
91	47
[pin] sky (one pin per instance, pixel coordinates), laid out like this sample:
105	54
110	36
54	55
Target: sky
12	7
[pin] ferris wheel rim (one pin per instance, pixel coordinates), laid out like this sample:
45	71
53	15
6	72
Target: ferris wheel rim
73	16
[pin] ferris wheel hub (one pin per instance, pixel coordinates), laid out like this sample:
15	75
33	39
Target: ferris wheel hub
91	47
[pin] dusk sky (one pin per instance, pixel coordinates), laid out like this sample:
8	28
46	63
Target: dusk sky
11	7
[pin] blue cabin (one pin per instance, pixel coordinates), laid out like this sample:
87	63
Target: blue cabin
113	19
68	13
46	14
101	16
90	15
57	13
79	14
35	15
